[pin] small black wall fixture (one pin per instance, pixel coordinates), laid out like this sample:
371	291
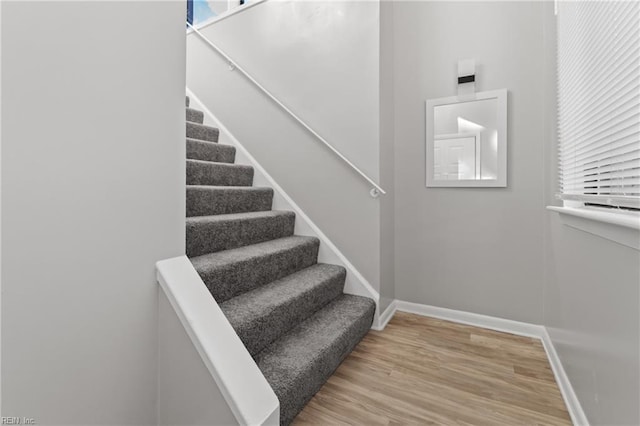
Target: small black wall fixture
466	79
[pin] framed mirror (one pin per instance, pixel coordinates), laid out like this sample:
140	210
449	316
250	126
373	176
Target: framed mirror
467	140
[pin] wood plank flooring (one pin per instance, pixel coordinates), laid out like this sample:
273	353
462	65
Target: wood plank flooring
423	370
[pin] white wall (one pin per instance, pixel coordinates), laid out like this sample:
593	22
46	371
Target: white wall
0	210
322	59
92	196
387	163
592	312
591	294
472	249
187	394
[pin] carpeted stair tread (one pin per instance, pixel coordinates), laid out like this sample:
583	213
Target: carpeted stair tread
202	132
209	234
289	311
262	315
229	273
218	174
297	365
210	151
195	116
210	200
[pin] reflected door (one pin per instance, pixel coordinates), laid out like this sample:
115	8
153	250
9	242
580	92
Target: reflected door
454	158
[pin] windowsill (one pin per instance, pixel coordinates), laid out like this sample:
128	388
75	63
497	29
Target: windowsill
620	227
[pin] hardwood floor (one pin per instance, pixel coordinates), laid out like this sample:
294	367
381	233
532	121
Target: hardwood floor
423	370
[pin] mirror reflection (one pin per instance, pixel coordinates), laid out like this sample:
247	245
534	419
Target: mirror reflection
465	141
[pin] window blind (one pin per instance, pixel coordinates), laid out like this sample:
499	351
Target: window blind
599	102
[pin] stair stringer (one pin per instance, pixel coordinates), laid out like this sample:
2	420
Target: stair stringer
355	282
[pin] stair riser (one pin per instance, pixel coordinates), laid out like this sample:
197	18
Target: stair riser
205	236
293	400
195	116
209	151
212	201
202	132
231	280
218	174
257	335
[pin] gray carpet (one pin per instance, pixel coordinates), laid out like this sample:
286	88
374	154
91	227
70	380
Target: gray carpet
202	132
208	234
288	310
195	116
211	200
210	151
218	174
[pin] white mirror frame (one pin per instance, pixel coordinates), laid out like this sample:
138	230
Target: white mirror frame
501	181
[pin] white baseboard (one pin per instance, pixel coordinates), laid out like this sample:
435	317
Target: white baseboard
355	282
574	408
478	320
578	417
385	317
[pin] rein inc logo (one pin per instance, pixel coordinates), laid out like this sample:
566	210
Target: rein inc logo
17	420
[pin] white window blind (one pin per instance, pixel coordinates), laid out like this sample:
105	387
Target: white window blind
599	102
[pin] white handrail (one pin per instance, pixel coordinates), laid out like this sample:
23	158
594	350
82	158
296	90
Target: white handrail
375	191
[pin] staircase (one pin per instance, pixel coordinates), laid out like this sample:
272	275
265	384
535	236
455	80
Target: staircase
289	311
